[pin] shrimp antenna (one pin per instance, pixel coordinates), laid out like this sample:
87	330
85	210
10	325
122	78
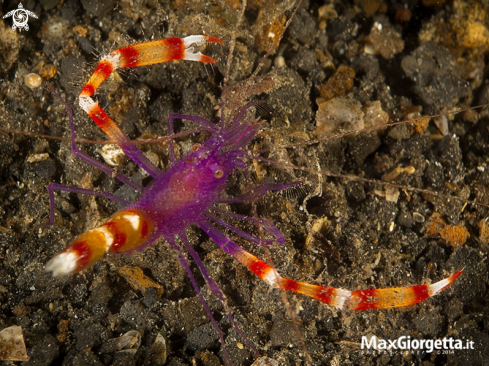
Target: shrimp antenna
232	45
271	50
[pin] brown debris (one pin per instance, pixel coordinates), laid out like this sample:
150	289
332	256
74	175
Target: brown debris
9	46
325	14
269	26
421	124
384	40
436	224
394	174
339	115
48	71
270	35
455	235
484	231
138	280
21	310
80	31
465	32
375	117
371	7
339	84
63	328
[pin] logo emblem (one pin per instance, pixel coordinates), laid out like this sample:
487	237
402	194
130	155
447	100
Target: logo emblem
20	17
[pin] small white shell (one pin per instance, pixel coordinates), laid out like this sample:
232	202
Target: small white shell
33	81
112	154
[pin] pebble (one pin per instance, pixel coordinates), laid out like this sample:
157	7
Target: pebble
339	115
33	81
12	346
339	84
383	40
265	361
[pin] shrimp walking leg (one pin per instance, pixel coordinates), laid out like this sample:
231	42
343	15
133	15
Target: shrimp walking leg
340	298
196	287
252	238
215	288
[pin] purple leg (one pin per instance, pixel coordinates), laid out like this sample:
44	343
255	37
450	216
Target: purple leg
215	288
137	156
59	187
254	239
185	265
268	225
101	166
219	238
259	191
89	159
206	124
254	193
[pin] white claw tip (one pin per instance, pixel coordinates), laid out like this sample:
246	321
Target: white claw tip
190	40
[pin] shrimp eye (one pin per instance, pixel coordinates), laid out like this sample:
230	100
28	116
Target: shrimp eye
218	173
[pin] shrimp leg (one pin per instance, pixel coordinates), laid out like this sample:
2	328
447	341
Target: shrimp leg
340	298
142	54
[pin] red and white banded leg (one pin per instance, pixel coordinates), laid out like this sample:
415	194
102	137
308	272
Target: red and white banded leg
142	54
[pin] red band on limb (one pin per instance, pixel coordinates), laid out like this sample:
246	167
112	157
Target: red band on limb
325	294
176	48
87	90
106	124
259	268
83	251
290	285
129	56
420	293
104	69
120	237
365	299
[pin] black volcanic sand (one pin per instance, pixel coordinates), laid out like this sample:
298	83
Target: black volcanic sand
366	241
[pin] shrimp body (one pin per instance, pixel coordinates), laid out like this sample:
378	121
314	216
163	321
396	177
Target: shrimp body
189	192
183	193
186	194
175	200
